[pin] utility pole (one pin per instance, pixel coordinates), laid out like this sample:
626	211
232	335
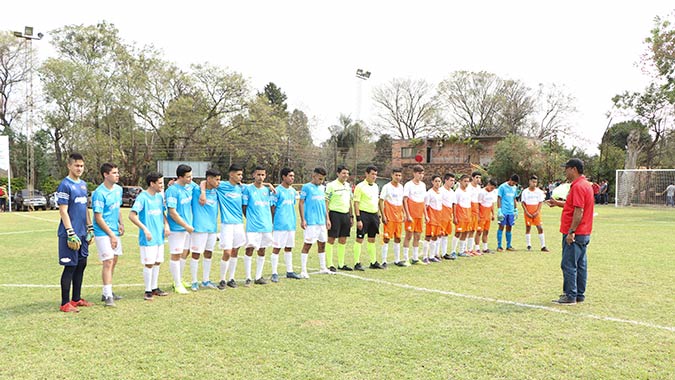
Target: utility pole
362	75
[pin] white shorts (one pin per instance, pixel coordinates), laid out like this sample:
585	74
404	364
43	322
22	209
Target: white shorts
283	239
151	254
316	232
202	241
232	236
179	241
105	249
258	239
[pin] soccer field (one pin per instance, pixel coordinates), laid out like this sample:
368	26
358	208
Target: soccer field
487	317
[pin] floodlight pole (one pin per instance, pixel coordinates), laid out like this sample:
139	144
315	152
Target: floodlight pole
363	75
28	37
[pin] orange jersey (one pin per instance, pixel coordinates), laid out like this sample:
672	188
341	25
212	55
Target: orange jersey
416	209
394	213
485	218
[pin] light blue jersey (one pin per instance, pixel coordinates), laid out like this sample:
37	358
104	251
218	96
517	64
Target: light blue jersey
74	194
258	212
150	210
284	212
107	202
507	193
315	203
205	218
230	202
180	198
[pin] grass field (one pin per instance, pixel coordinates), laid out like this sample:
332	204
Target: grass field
475	318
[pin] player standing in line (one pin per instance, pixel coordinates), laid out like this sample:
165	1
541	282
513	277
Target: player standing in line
487	199
179	205
507	210
339	205
414	192
393	216
205	223
462	215
283	213
232	235
433	209
448	198
473	241
366	195
108	227
257	208
75	232
314	220
147	214
532	199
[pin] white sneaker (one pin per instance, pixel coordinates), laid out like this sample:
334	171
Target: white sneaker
304	275
326	271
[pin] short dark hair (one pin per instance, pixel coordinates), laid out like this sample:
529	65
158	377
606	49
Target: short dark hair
396	170
533	176
371	168
107	167
463	176
285	171
447	176
212	172
476	174
153	177
575	163
320	170
75	157
515	178
492	182
182	169
259	168
235	168
417	168
433	177
341	168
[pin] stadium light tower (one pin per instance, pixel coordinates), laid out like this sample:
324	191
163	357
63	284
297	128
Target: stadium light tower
362	75
28	38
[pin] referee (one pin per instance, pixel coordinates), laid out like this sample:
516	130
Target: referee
366	197
339	205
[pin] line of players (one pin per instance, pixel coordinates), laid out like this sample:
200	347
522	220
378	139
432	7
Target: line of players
187	215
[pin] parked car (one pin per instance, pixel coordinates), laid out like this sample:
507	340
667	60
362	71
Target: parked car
129	194
51	202
25	200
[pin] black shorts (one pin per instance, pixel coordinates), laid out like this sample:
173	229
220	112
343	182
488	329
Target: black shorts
340	224
371	225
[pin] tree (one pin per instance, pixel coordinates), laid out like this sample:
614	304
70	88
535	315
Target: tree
406	108
517	105
553	107
14	69
275	97
660	54
517	155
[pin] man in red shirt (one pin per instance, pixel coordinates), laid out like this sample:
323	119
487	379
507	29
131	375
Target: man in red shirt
576	224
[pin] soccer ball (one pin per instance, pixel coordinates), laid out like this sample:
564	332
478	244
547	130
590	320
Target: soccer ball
561	191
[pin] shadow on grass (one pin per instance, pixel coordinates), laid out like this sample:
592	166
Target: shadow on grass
22	309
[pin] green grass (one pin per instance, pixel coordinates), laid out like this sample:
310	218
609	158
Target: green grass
342	327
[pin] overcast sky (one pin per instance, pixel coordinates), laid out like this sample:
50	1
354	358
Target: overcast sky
311	49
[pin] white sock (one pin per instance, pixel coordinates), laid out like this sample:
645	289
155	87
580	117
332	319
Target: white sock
194	266
259	264
444	245
405	253
248	260
182	268
385	249
107	290
303	261
397	252
155	277
206	273
174	268
224	265
485	246
528	240
541	240
233	267
147	278
434	247
322	260
275	263
476	246
462	246
288	258
416	255
425	249
455	242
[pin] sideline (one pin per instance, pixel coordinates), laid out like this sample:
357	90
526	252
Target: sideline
25	232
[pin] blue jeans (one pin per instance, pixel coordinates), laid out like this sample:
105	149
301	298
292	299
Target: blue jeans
574	265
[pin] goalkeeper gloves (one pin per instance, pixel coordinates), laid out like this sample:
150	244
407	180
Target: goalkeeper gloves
90	234
74	242
500	215
515	215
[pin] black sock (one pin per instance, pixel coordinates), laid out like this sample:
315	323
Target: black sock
66	279
77	278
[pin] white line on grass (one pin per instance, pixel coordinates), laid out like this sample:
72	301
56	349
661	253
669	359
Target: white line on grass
514	303
38	218
24	232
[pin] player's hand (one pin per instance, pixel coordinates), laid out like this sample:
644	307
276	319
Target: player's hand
409	218
202	199
74	242
493	217
121	229
515	215
167	231
303	225
90	234
500	215
148	235
359	225
113	242
271	187
384	219
351	222
569	239
190	229
328	224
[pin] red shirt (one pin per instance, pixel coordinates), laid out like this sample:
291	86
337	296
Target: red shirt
580	195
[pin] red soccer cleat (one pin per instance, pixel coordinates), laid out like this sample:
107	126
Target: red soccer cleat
69	308
81	302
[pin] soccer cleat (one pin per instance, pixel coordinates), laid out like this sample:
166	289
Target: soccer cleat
293	275
437	259
248	282
69	308
487	251
447	257
81	303
222	285
425	261
194	286
581	299
332	269
510	249
399	263
115	297
232	283
260	281
358	267
477	253
159	292
345	268
414	262
147	296
565	300
384	265
500	249
325	271
275	277
304	275
209	285
375	265
180	289
463	254
110	302
544	249
529	247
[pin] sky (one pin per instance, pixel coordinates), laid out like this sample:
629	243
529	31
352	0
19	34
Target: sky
312	49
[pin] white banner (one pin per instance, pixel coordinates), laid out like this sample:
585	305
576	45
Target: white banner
4	153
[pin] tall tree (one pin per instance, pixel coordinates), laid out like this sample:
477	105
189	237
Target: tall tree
553	107
14	69
406	108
